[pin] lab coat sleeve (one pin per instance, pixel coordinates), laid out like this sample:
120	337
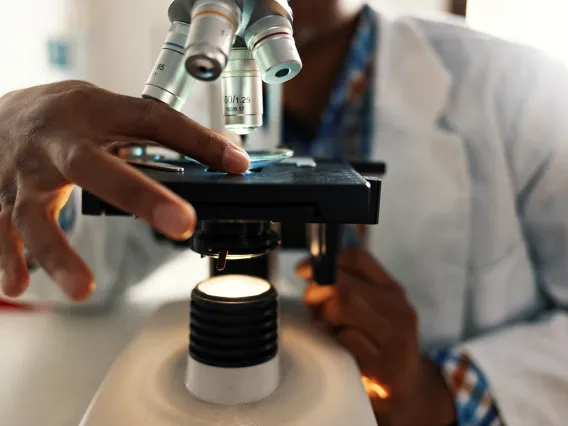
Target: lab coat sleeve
121	251
526	365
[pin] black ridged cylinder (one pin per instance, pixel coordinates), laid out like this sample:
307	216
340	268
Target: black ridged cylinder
233	332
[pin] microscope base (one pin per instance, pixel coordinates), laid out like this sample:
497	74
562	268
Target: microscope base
319	385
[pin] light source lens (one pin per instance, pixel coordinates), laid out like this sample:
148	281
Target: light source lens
233	322
234	286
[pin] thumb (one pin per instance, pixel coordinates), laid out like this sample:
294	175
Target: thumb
316	295
304	269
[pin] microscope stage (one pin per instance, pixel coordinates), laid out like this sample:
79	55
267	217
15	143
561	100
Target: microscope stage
325	192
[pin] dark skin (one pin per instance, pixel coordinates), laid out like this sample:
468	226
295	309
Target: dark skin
59	135
367	309
370	315
323	30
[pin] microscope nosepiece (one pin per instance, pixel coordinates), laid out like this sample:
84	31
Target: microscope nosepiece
214	25
272	43
169	82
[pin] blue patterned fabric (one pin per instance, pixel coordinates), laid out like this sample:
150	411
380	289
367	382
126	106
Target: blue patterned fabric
347	126
68	215
474	403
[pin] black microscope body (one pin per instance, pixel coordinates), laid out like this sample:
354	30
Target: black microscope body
296	204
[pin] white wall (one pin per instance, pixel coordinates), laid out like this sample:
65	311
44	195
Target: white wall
135	43
115	41
126	38
539	23
412	5
25	28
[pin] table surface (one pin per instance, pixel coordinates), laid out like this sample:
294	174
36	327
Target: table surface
51	364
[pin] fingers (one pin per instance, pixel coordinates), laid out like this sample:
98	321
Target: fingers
344	305
360	262
14	276
356	262
236	139
124	187
146	119
358	344
316	294
304	269
367	354
47	243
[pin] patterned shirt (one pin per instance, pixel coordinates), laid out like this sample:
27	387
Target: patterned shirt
346	133
347	125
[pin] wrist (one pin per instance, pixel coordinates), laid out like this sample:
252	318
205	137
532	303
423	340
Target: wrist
433	402
438	395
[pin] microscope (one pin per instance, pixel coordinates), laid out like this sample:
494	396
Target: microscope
252	358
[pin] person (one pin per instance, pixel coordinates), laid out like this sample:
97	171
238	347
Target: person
456	309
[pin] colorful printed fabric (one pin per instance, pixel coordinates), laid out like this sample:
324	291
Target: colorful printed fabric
347	126
474	403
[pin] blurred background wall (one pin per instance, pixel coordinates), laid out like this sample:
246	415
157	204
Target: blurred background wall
114	43
28	33
539	23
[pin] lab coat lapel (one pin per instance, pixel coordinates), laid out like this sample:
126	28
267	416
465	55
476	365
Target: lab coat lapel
422	238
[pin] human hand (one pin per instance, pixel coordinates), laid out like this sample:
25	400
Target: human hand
58	135
373	319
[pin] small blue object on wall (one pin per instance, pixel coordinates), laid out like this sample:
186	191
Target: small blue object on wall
59	53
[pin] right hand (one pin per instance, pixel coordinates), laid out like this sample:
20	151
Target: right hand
55	136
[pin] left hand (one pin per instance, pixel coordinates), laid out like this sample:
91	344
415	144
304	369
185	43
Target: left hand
375	321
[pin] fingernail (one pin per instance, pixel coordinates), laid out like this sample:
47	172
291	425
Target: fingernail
174	220
13	284
316	294
8	286
304	271
73	285
235	160
333	311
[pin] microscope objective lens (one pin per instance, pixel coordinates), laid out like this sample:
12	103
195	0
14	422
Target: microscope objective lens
214	25
283	73
242	93
169	82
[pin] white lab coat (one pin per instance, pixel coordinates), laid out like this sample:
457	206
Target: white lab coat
474	215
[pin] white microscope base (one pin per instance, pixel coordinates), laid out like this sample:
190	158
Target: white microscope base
320	382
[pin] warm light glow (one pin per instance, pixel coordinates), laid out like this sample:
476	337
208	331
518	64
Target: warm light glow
234	286
374	389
